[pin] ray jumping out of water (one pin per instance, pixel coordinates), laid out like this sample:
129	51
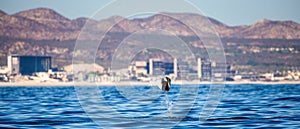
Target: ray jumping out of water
165	84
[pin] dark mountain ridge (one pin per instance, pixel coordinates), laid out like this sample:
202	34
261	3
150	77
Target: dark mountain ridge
46	24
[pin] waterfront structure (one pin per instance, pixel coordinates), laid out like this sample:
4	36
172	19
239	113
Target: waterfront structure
27	65
206	70
138	68
58	74
175	68
4	70
152	67
211	70
219	71
4	73
183	70
199	67
156	67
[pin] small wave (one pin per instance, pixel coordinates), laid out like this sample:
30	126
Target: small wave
229	118
72	112
287	99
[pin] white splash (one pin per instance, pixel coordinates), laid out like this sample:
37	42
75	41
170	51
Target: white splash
169	104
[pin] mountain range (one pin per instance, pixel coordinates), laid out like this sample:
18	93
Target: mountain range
46	24
266	45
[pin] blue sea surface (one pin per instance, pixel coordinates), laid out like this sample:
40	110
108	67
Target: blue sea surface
241	106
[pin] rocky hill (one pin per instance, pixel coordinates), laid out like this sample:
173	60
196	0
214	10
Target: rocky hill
46	24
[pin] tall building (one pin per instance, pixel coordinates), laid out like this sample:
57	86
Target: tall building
157	67
175	67
206	71
27	65
219	71
199	67
182	70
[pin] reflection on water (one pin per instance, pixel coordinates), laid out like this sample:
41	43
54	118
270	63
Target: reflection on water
169	104
241	106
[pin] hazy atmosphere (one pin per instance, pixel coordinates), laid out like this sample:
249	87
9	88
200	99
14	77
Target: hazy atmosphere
149	64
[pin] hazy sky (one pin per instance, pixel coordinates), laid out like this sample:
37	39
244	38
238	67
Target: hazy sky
230	12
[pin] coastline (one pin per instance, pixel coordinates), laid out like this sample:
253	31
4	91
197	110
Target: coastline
133	83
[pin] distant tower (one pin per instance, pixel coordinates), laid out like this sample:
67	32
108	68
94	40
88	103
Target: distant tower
199	71
150	66
13	64
9	64
175	67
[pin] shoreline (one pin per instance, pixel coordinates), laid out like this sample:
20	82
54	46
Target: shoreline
133	83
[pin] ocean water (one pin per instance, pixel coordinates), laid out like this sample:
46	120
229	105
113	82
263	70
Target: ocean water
240	106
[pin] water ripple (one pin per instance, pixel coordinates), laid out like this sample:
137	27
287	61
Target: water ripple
241	106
